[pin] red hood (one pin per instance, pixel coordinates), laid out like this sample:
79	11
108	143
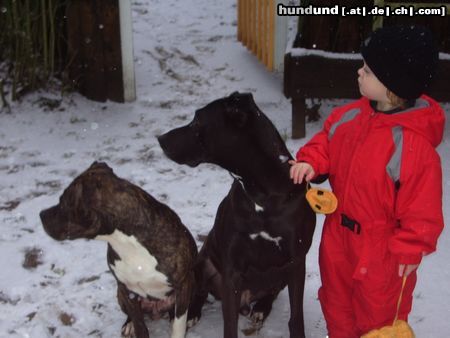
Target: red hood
426	118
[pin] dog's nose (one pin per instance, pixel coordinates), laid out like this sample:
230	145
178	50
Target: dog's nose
52	223
164	144
161	138
42	215
47	215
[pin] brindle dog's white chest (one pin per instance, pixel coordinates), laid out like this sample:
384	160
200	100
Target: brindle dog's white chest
136	267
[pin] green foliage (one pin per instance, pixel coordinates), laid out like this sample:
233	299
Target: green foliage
32	43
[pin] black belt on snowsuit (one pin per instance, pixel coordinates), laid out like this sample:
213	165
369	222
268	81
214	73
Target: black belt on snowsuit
351	224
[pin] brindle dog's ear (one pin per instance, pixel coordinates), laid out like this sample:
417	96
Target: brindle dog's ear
100	166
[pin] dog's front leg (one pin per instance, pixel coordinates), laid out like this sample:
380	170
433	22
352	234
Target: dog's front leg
183	299
231	298
134	326
296	286
203	276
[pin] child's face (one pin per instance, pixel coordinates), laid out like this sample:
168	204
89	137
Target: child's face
370	86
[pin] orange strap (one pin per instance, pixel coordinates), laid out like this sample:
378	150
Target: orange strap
400	299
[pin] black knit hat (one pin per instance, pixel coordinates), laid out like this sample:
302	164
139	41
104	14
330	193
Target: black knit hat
403	58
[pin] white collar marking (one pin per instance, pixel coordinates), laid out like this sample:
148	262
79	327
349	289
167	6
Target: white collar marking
136	267
283	158
267	237
258	208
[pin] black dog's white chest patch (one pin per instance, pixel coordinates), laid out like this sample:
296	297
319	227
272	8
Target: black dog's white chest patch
136	267
267	237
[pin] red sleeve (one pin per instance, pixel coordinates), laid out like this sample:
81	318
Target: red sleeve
315	151
418	205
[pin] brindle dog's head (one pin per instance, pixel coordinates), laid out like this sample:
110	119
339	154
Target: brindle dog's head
89	206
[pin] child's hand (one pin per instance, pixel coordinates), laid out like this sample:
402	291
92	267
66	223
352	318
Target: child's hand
406	269
301	170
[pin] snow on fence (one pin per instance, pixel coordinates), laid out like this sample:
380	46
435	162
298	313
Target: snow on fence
262	31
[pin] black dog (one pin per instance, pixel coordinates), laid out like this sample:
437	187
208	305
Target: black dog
264	226
150	252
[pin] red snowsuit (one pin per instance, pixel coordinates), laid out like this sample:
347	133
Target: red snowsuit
387	177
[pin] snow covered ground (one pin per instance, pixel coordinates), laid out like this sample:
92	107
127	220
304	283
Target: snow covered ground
186	56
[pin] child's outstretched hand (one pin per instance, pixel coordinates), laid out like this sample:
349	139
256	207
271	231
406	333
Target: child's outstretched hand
300	171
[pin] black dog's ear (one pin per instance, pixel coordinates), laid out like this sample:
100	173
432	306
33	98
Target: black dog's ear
241	96
237	116
240	108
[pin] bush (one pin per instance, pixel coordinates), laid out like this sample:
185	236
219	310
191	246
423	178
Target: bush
33	44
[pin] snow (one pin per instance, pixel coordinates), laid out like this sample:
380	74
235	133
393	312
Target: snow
332	55
444	56
324	54
186	55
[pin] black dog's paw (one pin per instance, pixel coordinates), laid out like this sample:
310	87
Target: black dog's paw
257	318
262	309
253	327
245	310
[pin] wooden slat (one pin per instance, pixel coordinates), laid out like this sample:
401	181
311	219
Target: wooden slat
266	31
251	24
253	47
260	31
242	2
112	54
378	19
271	34
96	66
246	24
239	23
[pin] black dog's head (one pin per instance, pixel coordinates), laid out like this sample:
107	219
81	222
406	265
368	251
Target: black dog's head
226	132
83	203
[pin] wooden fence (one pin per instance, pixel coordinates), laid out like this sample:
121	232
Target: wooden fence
312	75
262	31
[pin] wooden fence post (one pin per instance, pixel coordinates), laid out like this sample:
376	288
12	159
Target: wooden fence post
280	36
100	49
126	37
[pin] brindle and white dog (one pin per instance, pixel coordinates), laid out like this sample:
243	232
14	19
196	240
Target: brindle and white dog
150	252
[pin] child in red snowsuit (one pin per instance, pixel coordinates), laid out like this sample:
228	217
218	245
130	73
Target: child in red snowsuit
379	154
